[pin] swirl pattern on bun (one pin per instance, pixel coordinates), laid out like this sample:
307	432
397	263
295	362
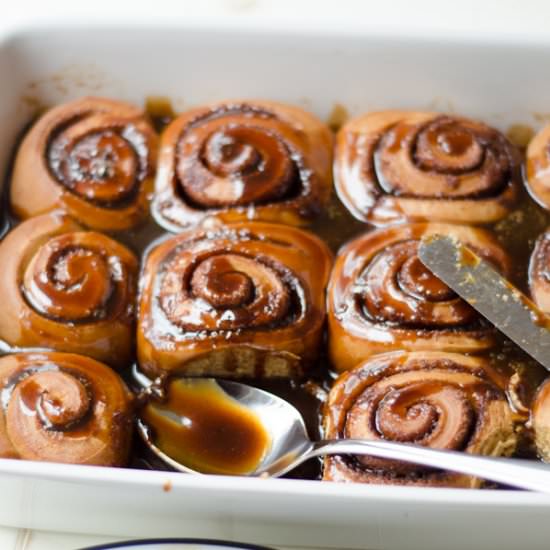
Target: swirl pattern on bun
94	158
70	289
60	407
438	400
381	297
238	161
395	166
239	300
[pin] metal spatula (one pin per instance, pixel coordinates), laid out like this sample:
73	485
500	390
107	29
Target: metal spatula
479	284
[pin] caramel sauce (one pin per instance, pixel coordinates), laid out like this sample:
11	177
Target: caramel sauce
453	142
30	395
520	135
397	138
337	117
468	259
200	426
161	111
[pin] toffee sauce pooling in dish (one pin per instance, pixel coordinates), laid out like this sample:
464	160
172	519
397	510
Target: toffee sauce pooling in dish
200	426
517	233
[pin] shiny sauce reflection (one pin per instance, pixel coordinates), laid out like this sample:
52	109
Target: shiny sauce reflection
203	428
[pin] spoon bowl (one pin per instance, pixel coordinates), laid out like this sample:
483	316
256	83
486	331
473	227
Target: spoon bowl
290	444
288	438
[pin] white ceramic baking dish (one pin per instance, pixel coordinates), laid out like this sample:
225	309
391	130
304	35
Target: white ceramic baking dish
496	80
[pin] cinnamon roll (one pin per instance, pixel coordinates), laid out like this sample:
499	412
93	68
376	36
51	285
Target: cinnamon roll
394	166
540	420
94	158
239	300
237	161
537	168
381	297
60	407
67	289
438	400
539	272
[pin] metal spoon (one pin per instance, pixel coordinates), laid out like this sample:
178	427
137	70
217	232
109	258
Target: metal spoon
290	445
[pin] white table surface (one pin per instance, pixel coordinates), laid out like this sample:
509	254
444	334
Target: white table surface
528	18
25	539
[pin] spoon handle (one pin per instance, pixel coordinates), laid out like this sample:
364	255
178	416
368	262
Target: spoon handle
524	474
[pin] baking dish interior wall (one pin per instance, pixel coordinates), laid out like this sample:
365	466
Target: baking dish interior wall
500	82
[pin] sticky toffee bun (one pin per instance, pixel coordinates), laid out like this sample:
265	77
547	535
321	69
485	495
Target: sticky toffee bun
382	298
243	160
395	166
93	158
435	399
245	300
68	289
61	407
